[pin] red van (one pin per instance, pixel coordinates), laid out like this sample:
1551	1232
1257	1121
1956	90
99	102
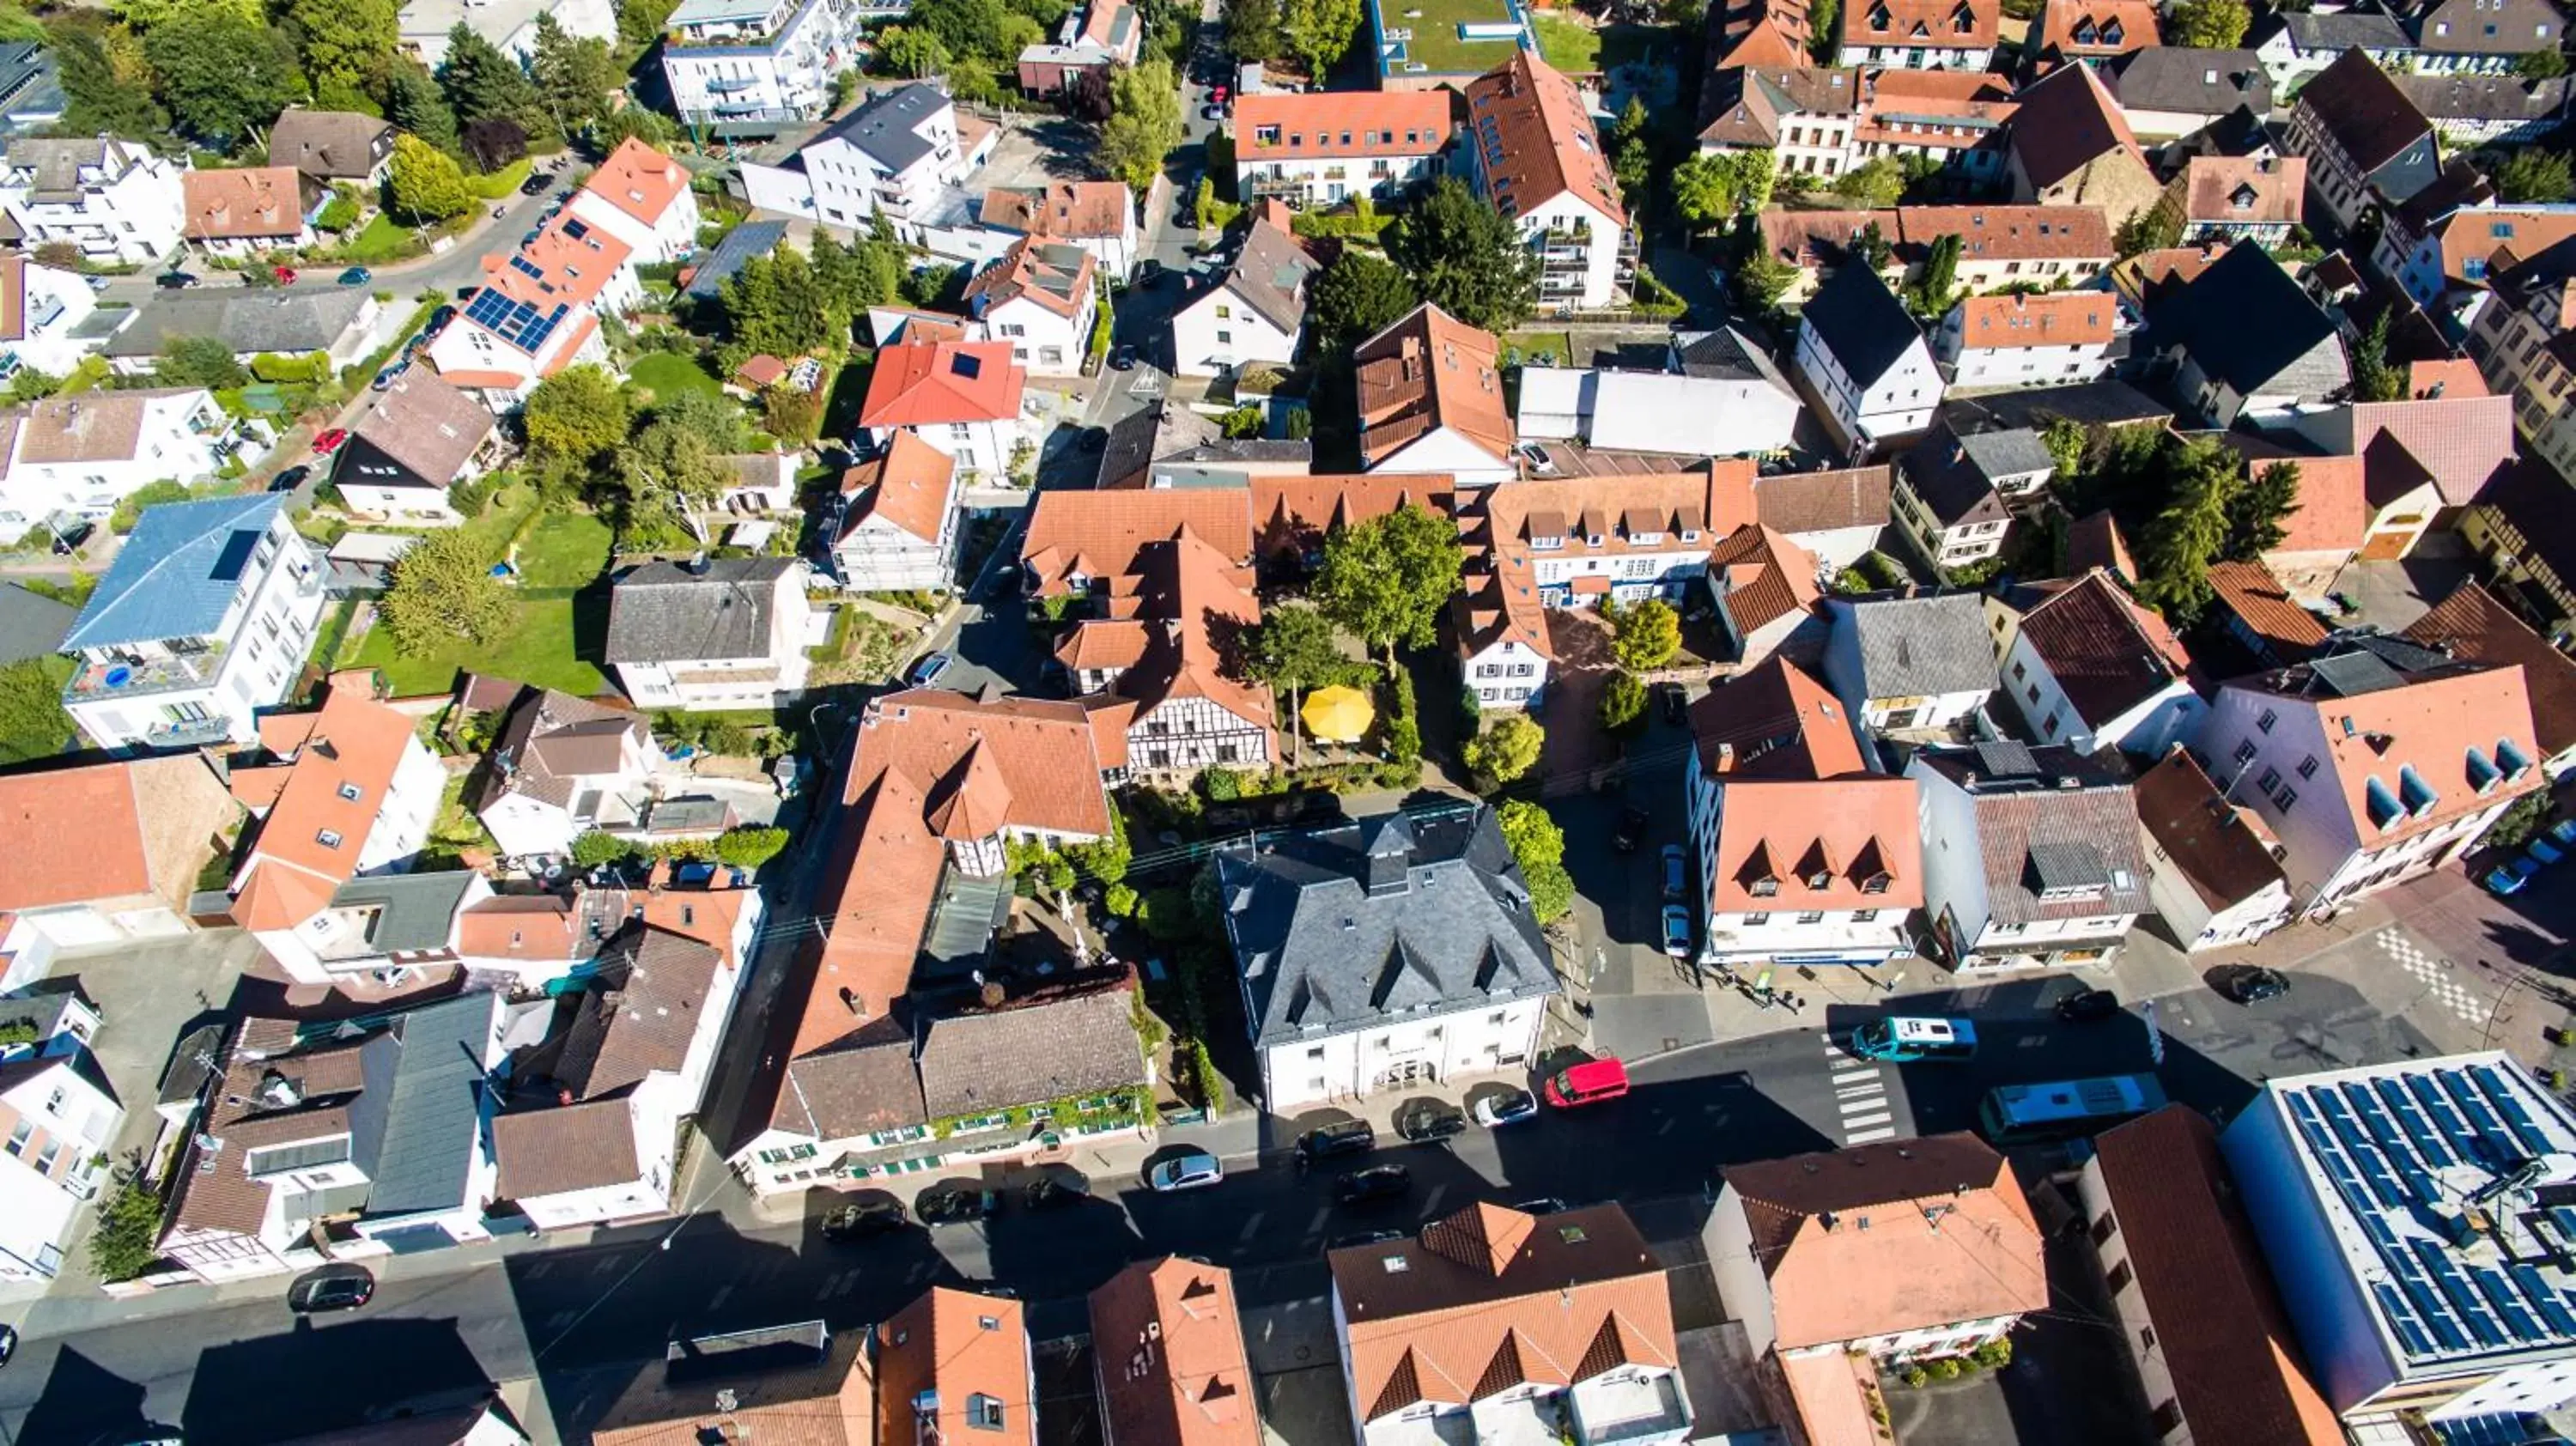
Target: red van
1588	1083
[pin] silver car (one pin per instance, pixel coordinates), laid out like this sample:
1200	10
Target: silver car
1185	1172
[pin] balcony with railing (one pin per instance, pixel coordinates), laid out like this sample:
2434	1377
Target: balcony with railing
141	672
188	733
1278	186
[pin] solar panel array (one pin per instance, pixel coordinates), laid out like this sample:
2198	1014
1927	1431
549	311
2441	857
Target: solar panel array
2383	1143
517	322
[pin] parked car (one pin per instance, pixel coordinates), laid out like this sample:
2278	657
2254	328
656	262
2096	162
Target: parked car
1676	871
97	283
2545	851
1212	112
927	671
1430	1123
1122	359
389	375
8	1343
1508	1108
333	1287
1349	1137
1050	1192
536	182
2088	1006
865	1219
2510	876
283	275
955	1205
2250	983
68	541
1677	931
329	442
1376	1185
289	480
175	280
1185	1172
356	276
1630	830
1217	94
1358	1238
438	321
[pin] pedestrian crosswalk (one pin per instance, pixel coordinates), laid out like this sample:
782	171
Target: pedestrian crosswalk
1860	1097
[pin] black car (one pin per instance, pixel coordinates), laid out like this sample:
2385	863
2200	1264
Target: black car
955	1205
1676	703
68	541
1052	1192
1376	1185
289	480
333	1287
1631	829
536	182
1429	1124
174	280
2252	983
1350	1137
1543	1205
2091	1005
865	1219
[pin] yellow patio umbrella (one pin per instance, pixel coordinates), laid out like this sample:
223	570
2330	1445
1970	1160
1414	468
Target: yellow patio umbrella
1337	714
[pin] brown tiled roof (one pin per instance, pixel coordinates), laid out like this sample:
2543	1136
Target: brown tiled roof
1712	503
2214	845
1196	602
2451	377
2362	110
949	1347
1767	576
1056	275
1804	817
1952	24
1760	32
103	805
1774	721
253	202
2065	318
1428	371
1172	1366
1809	239
2095	541
1896	1236
1750	106
2461	442
424	423
335	145
1065	210
2009	233
2471	625
1295	512
1797	502
551	740
580	1146
793	1386
640	1015
89	427
13	297
2067	120
342	775
1101	535
1935	109
2020	821
907	486
2333	514
2244	190
2074	29
2099	645
1490	1298
1537	139
2236	1369
2249	590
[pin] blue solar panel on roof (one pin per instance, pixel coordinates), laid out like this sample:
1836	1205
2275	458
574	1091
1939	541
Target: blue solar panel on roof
2500	1299
2393	1306
524	267
235	556
2472	1311
2548	1302
576	228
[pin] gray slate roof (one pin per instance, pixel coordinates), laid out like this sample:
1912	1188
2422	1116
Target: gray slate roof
31	626
743	242
2323	33
2011	452
885	128
433	1109
864	1084
249	319
1921	646
1271	275
1447	925
1861	323
417	911
664	613
1047	1050
163	582
1725	355
2190	80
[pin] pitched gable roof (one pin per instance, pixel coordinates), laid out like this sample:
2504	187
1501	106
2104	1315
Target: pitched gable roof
1054	275
1862	323
334	145
1174	1371
1095	536
2222	851
342	771
2066	120
1951	24
2249	325
170	579
945	382
1535	140
638	180
907	486
2106	650
1271	274
2364	111
1065	210
1426	372
2473	626
1924	646
1806	502
673	612
251	203
1767	577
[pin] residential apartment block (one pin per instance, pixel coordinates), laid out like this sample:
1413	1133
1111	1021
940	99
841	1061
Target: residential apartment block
1532	151
742	62
897	526
82	454
1866	360
1323	148
901	153
61	1119
113	199
2027	341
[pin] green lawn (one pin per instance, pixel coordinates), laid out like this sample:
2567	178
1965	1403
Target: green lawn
1435	43
567	550
1569	45
381	239
501	184
557	626
667	373
1533	344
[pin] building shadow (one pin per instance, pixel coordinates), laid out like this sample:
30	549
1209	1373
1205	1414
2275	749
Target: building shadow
348	1373
84	1401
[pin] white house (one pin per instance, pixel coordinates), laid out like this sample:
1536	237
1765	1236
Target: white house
1041	298
2213	867
511	25
1322	148
711	636
1921	34
2369	775
2020	340
901	153
114	199
1952	492
963	398
737	62
1386	954
1431	401
204	618
1806	854
41	310
1839	515
147	826
1098	216
561	767
245	212
630	1067
2093	668
61	1119
897	529
1901	663
2041	866
351	794
537	312
83	454
1254	314
1866	360
2295	45
643	198
1534	153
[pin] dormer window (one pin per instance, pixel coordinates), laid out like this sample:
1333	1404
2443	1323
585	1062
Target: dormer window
2413	792
1592	539
352	792
1764	887
2483	774
1644	539
2512	759
1820	880
329	838
1874	884
1549	543
2380	803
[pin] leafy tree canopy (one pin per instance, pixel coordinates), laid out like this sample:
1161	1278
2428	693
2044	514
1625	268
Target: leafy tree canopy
1360	295
1506	750
444	593
1144	123
222	77
424	184
1387	580
1465	258
575	416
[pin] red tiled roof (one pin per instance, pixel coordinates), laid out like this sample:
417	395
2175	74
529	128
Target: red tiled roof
1767	576
638	180
1931	24
1065	210
2009	233
2065	318
2107	651
1055	275
1341	124
309	844
1101	535
942	1351
2245	190
2429	724
1774	721
2473	626
1429	371
1173	1367
1296	511
2249	590
908	486
2221	850
253	202
2075	29
941	383
102	806
1543	142
569	269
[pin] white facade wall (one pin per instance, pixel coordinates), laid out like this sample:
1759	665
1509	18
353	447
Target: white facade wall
2190	917
1328	181
1508	674
1838	936
1840	547
1447	451
1945	545
781	67
1046	343
982	449
407	506
1184	735
60	1127
265	636
57	301
671	236
877	556
1448	1046
1918	57
1899	402
132	218
2021	366
2147	728
1553	228
177	443
1221	332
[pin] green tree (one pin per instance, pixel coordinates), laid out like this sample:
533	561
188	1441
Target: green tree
2152	228
127	1239
779	304
2191	531
1358	296
640	22
1623	701
1704	189
1505	750
443	594
106	79
910	50
222	77
424	184
348	43
1244	421
198	361
1940	279
2067	442
1871	248
792	414
1144	124
669	466
32	721
1293	650
711	415
593	848
636	123
414	103
1465	258
1318	32
2534	175
1252	30
1825	29
2255	511
1632	152
575	417
575	73
482	83
2208	24
2541	65
1538	846
1756	172
750	846
1876	184
1645	636
1387	580
1762	279
2374	378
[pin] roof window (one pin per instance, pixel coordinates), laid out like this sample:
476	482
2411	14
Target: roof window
329	838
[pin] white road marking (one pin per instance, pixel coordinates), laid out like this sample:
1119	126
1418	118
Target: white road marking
1863	1137
1865	1121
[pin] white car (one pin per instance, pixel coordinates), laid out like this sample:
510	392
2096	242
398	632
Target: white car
1509	1107
1186	1172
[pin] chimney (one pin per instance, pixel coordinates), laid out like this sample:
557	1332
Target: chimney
1726	758
1276	212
